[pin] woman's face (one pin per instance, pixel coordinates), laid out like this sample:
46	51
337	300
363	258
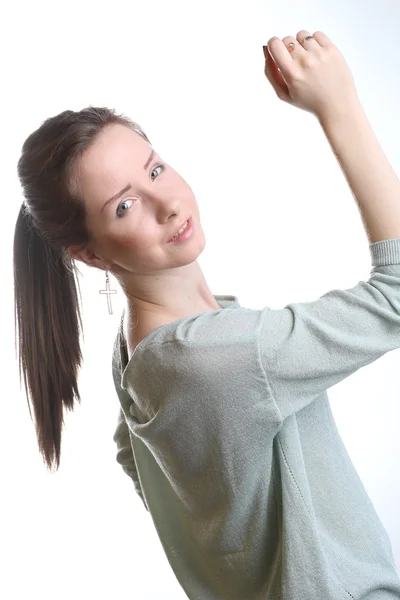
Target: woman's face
131	232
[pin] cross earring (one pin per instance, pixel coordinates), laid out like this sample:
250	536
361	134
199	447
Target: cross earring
108	292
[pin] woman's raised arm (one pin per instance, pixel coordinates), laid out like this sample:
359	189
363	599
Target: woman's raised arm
310	73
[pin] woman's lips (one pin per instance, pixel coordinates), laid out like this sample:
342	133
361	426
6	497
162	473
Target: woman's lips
186	234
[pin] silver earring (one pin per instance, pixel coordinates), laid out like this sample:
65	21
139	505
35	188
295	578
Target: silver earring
108	292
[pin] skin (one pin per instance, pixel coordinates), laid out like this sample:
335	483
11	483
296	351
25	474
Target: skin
161	281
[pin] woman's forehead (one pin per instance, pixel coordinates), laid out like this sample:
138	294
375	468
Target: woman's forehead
115	155
116	150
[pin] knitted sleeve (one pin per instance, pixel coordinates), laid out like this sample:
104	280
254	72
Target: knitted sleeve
307	347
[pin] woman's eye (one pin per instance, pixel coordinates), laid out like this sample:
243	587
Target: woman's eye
125	210
157	167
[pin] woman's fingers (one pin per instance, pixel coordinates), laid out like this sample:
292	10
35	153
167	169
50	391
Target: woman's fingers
281	54
320	36
274	76
284	54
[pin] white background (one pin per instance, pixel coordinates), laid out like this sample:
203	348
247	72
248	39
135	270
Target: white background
281	226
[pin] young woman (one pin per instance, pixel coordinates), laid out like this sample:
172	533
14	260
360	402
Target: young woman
225	426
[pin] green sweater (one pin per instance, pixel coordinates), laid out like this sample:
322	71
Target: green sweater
227	433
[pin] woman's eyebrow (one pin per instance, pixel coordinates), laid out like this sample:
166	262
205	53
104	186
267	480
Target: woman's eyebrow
149	160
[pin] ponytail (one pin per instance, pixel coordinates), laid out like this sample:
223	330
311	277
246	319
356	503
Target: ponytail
48	316
51	221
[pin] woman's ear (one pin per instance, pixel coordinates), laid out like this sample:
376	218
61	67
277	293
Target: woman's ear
87	256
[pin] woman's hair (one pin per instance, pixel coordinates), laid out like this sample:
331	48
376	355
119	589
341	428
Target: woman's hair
52	218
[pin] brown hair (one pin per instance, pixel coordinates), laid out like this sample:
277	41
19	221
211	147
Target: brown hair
47	311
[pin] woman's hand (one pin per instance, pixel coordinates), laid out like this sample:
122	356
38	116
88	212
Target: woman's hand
313	76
